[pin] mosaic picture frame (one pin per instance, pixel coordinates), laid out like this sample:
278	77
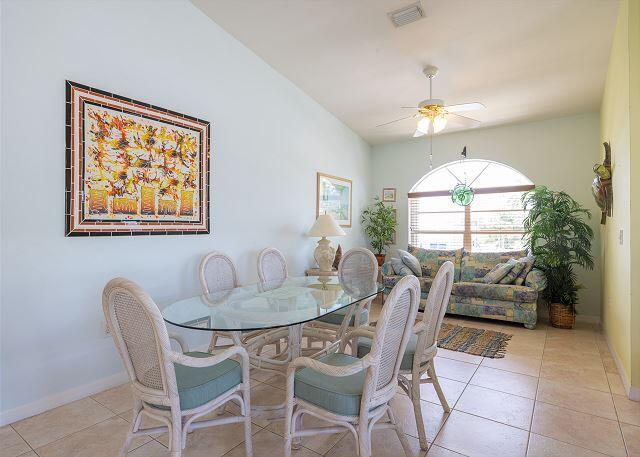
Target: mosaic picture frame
133	168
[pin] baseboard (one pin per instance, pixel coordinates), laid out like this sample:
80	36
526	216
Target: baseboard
61	398
632	392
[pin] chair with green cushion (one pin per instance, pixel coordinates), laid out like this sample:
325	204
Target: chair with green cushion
358	265
349	392
175	388
424	341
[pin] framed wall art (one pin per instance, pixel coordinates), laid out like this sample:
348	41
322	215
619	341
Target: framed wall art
389	194
334	197
133	168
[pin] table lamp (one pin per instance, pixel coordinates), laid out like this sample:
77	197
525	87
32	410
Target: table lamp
324	254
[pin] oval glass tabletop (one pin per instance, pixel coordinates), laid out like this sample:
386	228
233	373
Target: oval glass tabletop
269	305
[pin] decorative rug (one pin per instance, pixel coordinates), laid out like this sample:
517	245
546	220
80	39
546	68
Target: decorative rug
476	341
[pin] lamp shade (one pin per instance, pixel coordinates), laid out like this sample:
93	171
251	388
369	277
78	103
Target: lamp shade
326	225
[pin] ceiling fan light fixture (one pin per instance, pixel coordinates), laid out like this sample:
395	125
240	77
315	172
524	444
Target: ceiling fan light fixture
439	123
423	125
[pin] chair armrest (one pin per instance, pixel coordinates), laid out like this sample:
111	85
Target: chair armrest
536	280
184	347
203	362
331	370
365	331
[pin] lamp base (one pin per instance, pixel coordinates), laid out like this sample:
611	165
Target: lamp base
324	255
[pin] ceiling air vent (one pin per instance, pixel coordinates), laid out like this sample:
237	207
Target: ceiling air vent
406	15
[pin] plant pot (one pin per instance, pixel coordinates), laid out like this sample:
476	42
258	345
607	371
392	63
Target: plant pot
561	316
380	258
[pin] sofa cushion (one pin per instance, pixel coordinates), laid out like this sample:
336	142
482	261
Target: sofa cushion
529	261
432	259
399	268
507	292
338	394
536	280
518	266
498	272
410	261
478	264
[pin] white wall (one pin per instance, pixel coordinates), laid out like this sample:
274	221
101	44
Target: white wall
557	153
268	141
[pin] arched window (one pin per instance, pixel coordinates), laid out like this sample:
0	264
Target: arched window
492	222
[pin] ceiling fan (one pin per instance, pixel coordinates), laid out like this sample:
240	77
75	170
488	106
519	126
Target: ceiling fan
433	116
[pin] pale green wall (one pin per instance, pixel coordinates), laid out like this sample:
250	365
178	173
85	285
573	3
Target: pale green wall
620	126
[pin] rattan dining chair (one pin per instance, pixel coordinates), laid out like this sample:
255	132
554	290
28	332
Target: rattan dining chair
172	387
217	273
355	393
356	265
424	341
272	267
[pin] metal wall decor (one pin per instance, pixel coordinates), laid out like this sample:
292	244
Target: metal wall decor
602	185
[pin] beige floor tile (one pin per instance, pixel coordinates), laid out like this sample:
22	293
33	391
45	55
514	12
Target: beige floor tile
460	356
260	375
28	454
437	451
498	406
615	384
452	391
514	363
610	365
479	437
453	369
433	416
573	344
506	381
151	449
319	443
119	399
580	429
631	435
384	443
524	349
62	421
11	445
277	381
105	438
588	401
628	410
542	446
589	378
269	444
572	358
212	441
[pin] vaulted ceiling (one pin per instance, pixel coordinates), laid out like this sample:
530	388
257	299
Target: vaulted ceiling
524	59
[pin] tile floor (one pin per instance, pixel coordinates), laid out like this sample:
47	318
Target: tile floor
556	393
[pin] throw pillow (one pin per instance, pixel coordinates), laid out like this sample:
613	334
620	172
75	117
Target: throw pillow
530	260
498	272
515	271
411	261
400	268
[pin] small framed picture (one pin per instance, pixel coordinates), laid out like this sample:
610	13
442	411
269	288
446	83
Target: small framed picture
389	194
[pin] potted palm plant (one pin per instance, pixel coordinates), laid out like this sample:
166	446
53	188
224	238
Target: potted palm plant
560	238
379	224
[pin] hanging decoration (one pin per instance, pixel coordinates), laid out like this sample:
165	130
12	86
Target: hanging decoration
462	193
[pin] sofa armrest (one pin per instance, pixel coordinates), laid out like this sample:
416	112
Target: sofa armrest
536	280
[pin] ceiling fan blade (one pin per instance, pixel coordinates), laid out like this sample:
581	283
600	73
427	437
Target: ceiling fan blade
391	122
461	108
462	121
418	133
409	107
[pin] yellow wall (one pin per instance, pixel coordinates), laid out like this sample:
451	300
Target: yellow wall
620	126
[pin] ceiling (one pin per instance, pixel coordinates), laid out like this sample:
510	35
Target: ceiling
524	59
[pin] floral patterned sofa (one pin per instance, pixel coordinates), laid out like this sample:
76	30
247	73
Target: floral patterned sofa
508	302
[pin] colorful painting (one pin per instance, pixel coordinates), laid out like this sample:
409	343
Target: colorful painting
133	168
334	197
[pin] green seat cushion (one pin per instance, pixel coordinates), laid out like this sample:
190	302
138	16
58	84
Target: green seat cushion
337	317
338	394
364	347
197	386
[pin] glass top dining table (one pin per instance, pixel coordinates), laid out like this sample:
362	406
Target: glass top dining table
269	305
